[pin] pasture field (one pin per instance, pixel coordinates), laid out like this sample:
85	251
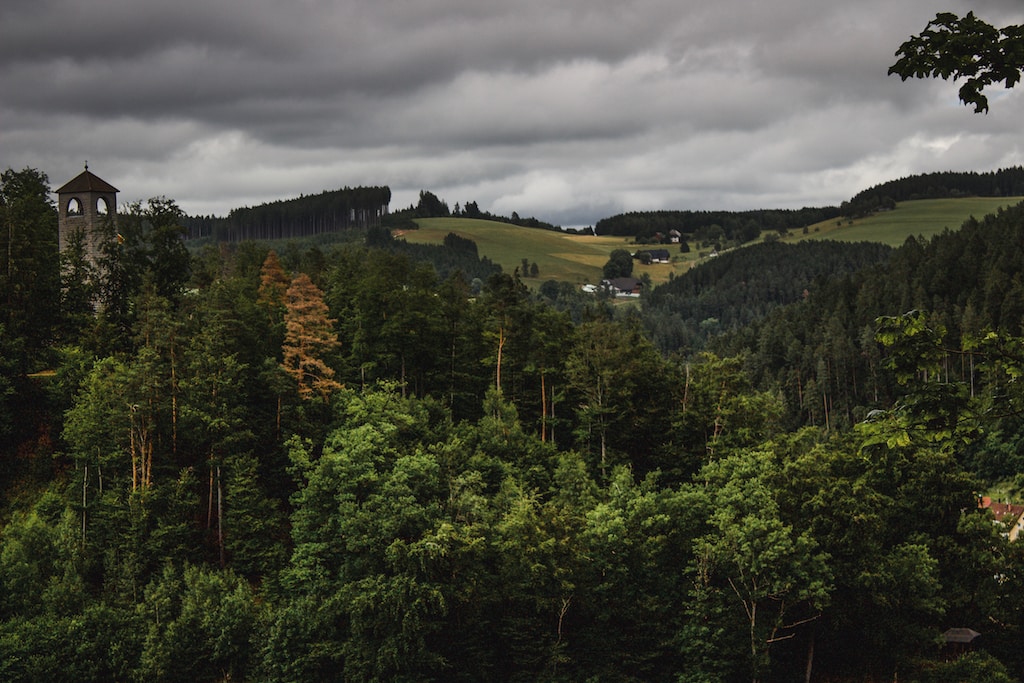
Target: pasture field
558	255
923	217
579	258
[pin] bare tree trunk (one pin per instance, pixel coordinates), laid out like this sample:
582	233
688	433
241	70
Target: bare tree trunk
85	485
174	402
501	347
810	658
220	518
131	447
209	497
543	409
604	461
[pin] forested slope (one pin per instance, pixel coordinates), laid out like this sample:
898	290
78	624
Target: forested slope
821	352
317	214
336	465
1005	182
741	286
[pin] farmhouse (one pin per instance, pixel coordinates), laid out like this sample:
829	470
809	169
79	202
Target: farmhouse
654	256
623	286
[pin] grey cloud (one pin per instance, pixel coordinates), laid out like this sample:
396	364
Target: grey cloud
567	111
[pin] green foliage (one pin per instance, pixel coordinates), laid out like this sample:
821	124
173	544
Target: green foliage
973	666
776	573
740	226
310	215
964	48
620	264
621	389
506	490
743	286
198	626
29	274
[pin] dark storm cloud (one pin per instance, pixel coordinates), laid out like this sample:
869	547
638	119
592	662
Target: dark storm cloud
568	111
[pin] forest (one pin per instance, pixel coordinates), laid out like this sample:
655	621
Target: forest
341	461
1005	182
326	212
737	227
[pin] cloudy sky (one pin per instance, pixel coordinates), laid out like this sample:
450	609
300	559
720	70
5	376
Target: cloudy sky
569	111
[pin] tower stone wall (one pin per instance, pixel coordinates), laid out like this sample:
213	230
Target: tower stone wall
85	204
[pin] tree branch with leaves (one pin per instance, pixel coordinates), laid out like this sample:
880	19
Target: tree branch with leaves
952	47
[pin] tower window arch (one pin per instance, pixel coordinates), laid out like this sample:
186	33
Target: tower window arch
74	207
101	206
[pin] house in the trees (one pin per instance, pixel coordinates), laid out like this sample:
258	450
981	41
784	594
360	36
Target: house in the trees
623	286
674	236
1007	514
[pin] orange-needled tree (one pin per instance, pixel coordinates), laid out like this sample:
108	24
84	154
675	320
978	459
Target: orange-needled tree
309	337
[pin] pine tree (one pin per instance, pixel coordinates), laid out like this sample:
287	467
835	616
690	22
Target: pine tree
273	282
309	335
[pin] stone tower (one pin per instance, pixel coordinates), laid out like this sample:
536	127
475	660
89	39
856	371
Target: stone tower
85	203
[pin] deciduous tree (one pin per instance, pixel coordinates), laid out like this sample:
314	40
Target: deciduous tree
951	47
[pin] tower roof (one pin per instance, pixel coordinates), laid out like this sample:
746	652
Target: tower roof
86	181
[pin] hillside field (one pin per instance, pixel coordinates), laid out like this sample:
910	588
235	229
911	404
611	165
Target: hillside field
559	256
924	217
579	258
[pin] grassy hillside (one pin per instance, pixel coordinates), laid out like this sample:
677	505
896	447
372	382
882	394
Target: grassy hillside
925	217
579	258
559	256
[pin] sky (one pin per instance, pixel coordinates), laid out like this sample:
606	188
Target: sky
568	111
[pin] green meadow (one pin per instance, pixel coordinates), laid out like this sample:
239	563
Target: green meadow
559	256
579	258
924	217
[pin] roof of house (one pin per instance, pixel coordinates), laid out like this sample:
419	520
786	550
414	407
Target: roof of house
1004	512
960	635
86	181
623	284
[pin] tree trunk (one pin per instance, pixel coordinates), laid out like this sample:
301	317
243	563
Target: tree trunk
220	518
543	409
810	658
85	484
174	402
501	346
604	461
135	455
209	497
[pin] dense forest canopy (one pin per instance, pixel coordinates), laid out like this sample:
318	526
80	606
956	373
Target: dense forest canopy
327	212
352	462
741	286
1005	182
739	227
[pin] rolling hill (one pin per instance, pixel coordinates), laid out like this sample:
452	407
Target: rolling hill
922	217
579	258
559	256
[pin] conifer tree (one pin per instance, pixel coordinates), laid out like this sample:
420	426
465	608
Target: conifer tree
309	335
273	282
